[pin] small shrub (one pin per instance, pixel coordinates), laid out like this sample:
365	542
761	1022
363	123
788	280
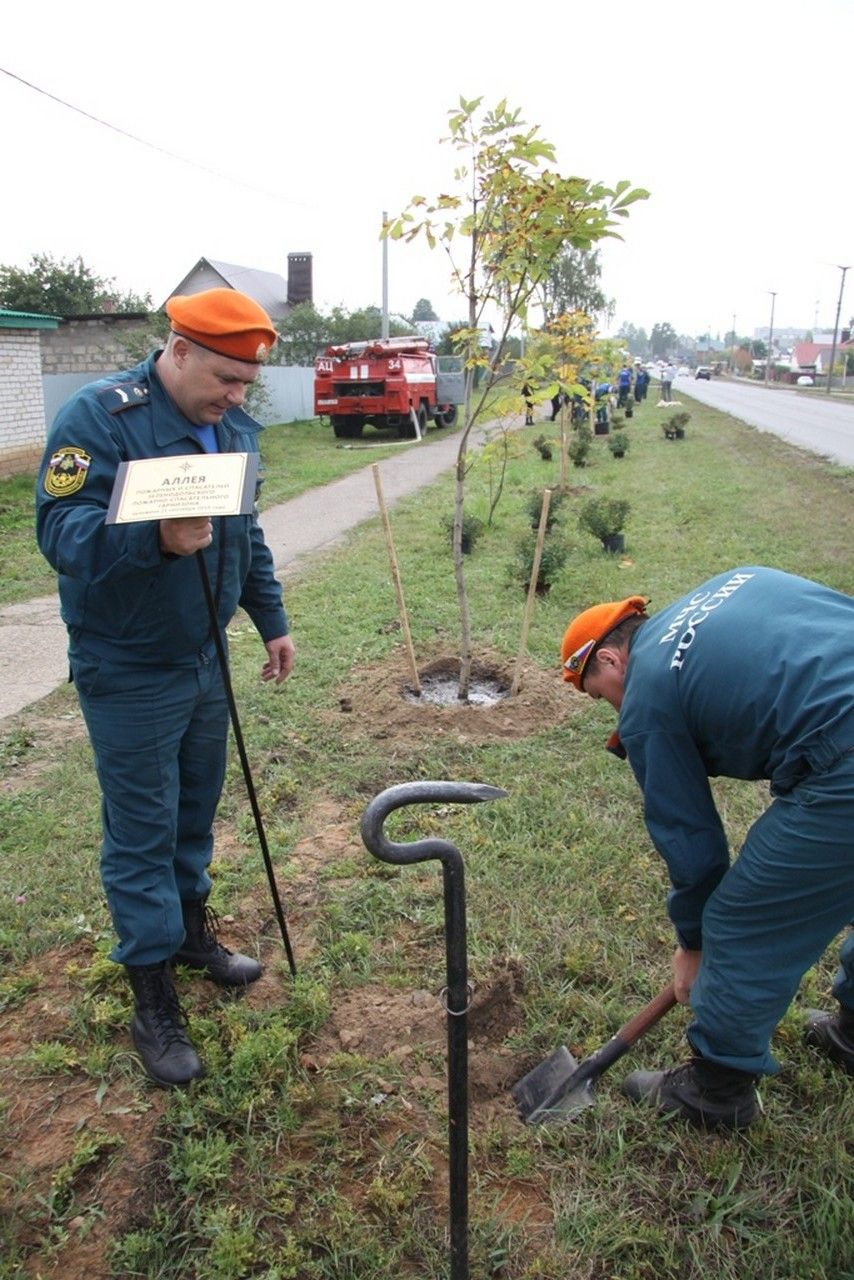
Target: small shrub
578	449
473	527
618	443
604	517
534	507
543	448
674	427
553	558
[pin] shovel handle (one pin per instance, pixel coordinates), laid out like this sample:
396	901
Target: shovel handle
650	1014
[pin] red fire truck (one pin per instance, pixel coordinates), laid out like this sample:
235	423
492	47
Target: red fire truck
390	382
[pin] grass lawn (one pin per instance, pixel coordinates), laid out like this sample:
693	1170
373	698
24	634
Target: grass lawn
315	1147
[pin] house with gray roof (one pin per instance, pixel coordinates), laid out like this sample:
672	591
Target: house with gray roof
270	290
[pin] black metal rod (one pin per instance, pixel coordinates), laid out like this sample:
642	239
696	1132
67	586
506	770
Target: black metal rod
244	759
457	990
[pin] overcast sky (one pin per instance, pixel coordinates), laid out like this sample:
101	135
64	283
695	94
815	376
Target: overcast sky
316	118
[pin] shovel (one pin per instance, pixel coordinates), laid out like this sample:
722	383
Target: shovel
560	1085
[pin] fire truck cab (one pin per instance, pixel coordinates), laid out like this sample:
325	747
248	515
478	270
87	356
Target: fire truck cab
389	382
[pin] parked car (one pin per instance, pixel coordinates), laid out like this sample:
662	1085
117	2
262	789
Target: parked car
703	371
806	381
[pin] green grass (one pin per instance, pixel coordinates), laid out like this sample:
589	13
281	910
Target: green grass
276	1165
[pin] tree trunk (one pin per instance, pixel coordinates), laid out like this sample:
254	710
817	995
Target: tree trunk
564	445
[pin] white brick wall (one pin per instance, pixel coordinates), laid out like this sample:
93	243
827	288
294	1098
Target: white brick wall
22	423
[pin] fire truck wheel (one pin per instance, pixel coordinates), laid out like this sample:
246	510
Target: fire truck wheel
448	418
347	426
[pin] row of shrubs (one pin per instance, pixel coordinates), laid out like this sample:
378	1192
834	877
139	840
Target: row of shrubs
601	516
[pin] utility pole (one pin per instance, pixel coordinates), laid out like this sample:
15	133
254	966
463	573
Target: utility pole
770	337
384	333
836	327
734	344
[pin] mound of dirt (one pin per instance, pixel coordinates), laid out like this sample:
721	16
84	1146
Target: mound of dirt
377	702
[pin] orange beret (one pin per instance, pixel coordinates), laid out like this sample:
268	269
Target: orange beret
584	633
224	321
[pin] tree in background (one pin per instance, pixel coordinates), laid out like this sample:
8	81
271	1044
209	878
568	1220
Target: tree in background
636	340
305	331
503	226
303	334
423	311
662	340
63	287
572	283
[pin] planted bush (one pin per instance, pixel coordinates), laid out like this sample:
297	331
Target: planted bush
552	559
618	443
674	427
534	507
543	448
473	527
605	518
578	449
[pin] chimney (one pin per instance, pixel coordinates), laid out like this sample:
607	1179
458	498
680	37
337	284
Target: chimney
299	279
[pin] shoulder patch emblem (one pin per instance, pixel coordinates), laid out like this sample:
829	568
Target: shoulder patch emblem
66	471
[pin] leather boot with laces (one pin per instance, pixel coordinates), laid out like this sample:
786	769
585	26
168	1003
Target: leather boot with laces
201	949
707	1094
158	1026
833	1035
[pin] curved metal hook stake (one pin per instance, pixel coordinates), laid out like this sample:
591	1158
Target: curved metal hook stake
457	990
406	793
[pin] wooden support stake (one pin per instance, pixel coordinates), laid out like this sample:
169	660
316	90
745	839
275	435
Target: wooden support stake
532	592
395	573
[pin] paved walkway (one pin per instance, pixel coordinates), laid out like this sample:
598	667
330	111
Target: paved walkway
33	659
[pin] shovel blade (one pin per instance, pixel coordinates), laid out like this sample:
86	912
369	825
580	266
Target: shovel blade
547	1094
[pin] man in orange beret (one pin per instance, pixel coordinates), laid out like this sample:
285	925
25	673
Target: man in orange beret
751	675
142	654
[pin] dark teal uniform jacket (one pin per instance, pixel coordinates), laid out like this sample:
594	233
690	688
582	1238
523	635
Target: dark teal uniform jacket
121	597
750	676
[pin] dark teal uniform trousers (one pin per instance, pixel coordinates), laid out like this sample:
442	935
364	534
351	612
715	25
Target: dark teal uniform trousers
159	737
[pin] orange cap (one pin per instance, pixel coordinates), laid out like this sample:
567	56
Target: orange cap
584	633
225	321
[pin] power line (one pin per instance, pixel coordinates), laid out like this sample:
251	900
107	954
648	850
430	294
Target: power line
194	164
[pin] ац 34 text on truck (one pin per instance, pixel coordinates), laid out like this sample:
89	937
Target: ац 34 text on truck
389	382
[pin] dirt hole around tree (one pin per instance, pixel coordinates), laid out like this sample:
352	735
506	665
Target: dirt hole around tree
378	701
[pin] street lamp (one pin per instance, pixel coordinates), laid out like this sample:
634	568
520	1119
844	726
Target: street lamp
836	326
770	337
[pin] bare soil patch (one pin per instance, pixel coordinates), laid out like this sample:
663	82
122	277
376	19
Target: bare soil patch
373	702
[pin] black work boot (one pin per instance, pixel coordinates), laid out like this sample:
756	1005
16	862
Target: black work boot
711	1096
201	950
158	1025
833	1035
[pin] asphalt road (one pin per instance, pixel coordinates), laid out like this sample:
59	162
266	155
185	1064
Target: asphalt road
808	419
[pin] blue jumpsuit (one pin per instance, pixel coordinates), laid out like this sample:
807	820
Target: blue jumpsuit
750	676
141	648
